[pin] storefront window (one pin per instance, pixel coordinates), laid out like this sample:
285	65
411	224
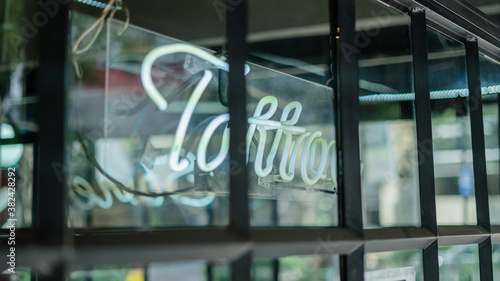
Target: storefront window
490	87
141	114
459	262
400	265
451	133
292	170
389	167
18	124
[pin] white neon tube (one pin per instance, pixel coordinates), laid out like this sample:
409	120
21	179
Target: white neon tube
177	164
84	189
322	163
205	139
151	57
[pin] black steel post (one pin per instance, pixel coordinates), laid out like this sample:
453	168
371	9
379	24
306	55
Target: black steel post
423	120
431	262
485	260
424	139
477	133
236	30
241	269
346	100
52	84
479	157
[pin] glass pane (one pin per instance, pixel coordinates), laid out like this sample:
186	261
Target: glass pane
144	151
490	86
16	193
389	176
459	263
291	135
496	261
454	178
295	268
171	271
21	274
18	59
394	266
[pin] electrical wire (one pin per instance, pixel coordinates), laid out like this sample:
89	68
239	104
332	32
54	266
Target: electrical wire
121	186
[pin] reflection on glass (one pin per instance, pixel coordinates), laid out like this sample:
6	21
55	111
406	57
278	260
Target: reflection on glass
295	268
21	158
496	260
389	175
401	265
18	58
454	178
292	154
459	262
22	274
490	86
317	267
171	271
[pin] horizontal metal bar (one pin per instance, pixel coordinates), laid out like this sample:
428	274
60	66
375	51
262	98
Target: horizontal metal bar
121	247
495	234
105	248
460	235
273	243
397	239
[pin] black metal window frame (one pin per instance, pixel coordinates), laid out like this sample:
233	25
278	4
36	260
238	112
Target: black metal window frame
51	245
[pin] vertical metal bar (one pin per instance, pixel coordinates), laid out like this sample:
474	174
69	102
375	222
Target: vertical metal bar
423	120
146	272
485	260
210	271
276	269
52	81
352	265
477	133
241	269
236	30
424	139
6	28
345	80
430	262
349	179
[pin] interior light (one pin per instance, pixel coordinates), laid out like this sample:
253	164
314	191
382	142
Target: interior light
10	154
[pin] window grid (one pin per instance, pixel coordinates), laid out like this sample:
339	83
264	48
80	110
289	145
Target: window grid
238	240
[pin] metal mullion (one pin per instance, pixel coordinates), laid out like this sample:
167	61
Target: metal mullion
431	262
352	265
241	269
236	30
276	269
52	79
346	100
349	179
477	133
423	120
239	214
485	260
424	139
479	157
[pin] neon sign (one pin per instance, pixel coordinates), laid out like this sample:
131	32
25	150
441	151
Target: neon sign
307	142
304	152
